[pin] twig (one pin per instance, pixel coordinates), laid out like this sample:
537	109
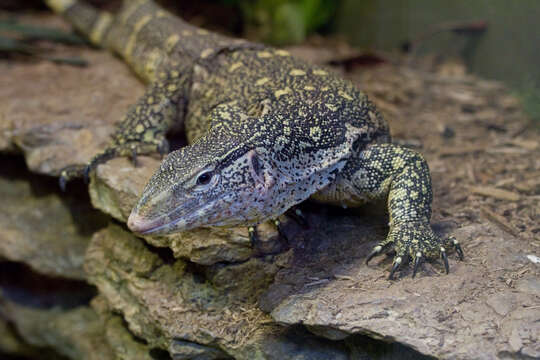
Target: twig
499	220
495	193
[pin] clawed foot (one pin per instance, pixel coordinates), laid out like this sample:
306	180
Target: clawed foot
77	171
295	213
132	149
256	241
68	173
416	241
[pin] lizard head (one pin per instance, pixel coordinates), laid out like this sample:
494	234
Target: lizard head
222	179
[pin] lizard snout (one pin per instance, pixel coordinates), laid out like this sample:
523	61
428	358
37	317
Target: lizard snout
138	224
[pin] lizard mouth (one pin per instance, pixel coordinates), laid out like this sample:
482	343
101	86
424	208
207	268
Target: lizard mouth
175	221
141	225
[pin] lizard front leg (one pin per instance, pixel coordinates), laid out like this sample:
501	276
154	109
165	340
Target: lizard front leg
143	129
401	177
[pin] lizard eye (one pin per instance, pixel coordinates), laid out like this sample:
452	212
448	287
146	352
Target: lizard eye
204	178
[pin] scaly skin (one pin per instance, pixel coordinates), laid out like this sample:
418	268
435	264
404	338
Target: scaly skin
266	132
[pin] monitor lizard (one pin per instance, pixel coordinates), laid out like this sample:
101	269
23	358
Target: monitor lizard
266	131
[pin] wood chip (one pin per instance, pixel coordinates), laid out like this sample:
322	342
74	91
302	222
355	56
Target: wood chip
526	144
461	150
505	182
470	172
508	150
319	282
500	221
529	186
495	193
343	277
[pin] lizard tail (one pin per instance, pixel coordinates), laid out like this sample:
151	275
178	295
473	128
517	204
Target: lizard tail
141	32
88	20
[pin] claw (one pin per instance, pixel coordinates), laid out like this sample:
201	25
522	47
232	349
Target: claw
397	262
86	174
458	249
163	148
376	250
134	156
417	262
62	182
299	217
280	230
252	231
445	259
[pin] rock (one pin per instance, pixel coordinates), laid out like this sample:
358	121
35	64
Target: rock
172	307
40	227
460	315
184	350
50	316
75	333
247	280
67	114
115	188
11	343
529	285
124	344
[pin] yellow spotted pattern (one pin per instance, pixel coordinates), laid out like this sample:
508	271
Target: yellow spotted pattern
325	138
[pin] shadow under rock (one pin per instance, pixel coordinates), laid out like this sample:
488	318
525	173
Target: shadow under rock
19	284
76	197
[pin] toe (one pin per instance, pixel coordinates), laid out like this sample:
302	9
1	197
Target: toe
279	228
395	266
376	250
253	238
445	260
417	261
62	182
458	249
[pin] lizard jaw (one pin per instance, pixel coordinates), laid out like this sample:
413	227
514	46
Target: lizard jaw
161	226
140	225
169	223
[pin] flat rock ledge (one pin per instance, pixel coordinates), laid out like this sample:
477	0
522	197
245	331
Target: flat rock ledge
41	227
436	315
115	188
172	308
206	294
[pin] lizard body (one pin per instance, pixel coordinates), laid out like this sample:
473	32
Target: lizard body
266	131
